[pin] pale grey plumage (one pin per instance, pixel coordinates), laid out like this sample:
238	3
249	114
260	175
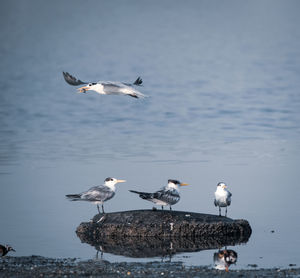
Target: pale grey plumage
107	87
97	194
222	197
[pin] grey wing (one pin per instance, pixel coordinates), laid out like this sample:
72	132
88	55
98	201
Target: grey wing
169	196
98	193
137	82
72	80
228	199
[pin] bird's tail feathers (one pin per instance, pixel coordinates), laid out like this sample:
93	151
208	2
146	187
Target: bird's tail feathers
137	95
137	192
73	197
138	81
143	195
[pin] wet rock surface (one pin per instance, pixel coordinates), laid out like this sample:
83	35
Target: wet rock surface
35	266
165	224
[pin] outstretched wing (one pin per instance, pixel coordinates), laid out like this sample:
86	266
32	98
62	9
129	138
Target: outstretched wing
72	80
138	81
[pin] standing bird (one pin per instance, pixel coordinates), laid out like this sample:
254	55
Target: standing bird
222	197
167	196
5	249
106	87
97	194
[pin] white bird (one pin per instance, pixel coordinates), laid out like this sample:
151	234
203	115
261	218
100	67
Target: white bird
97	194
222	197
106	87
167	196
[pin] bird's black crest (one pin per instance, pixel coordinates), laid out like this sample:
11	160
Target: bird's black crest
174	181
138	81
72	80
109	179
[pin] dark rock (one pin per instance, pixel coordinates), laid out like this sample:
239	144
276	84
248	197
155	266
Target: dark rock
161	232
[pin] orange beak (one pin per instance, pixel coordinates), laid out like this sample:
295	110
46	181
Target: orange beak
121	181
184	184
83	89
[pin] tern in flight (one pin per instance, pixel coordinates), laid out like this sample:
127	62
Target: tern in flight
97	194
107	87
167	196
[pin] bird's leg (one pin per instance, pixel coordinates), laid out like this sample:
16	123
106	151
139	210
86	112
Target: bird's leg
103	209
219	211
226	212
170	208
162	207
98	208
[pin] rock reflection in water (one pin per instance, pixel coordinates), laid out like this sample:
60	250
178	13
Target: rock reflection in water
154	247
223	259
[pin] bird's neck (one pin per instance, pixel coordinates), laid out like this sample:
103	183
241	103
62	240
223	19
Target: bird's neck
172	186
111	186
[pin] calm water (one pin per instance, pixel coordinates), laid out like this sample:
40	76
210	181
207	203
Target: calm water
224	87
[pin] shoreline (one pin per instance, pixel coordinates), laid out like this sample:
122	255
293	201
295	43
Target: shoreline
37	266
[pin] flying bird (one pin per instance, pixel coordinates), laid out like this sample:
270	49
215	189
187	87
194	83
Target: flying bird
106	87
222	197
167	196
97	194
5	249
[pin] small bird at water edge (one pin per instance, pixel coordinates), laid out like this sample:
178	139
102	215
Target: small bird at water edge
5	249
223	259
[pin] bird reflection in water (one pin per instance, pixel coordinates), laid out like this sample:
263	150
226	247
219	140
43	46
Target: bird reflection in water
223	259
99	249
165	252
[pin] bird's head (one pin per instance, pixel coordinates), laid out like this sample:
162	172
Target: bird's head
175	183
221	185
9	248
112	181
88	87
